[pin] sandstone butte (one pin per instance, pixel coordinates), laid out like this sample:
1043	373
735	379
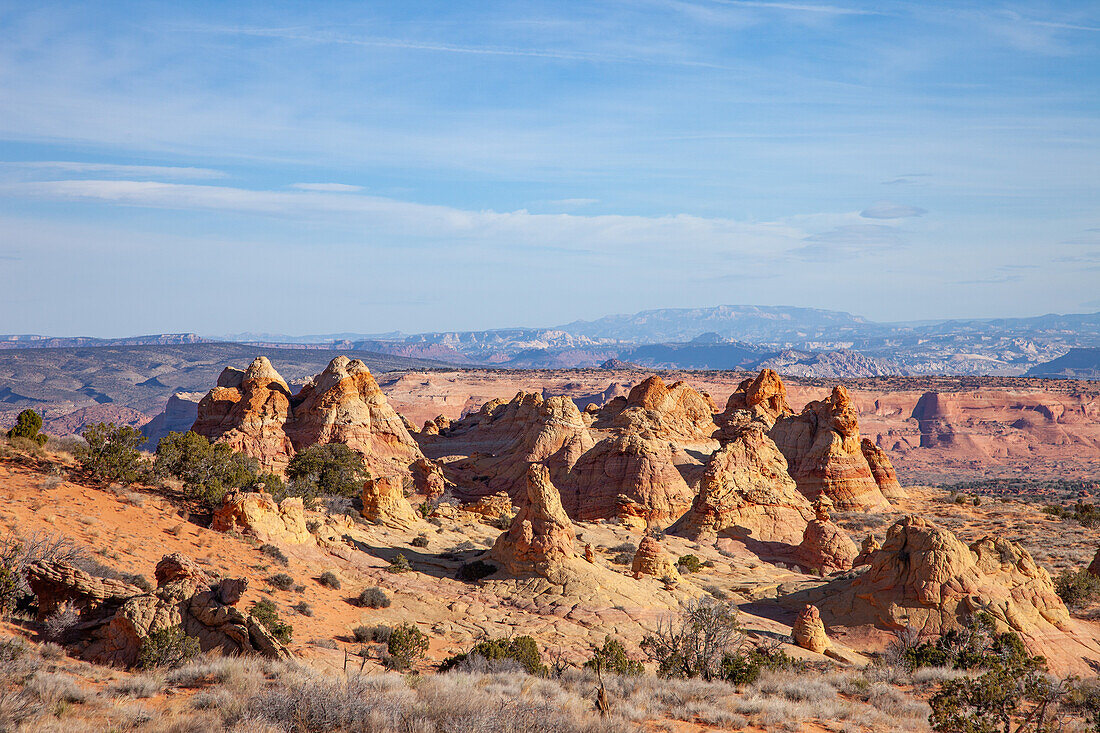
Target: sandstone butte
255	413
384	503
651	559
809	631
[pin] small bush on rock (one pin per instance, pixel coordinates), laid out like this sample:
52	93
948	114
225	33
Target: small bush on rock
111	453
329	580
170	647
399	564
372	634
282	581
267	614
421	540
1077	587
689	564
275	554
328	469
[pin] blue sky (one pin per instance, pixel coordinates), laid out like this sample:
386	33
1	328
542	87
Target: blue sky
323	167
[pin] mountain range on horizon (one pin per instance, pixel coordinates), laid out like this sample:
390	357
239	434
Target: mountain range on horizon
794	340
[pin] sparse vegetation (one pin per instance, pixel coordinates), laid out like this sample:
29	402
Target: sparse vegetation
1087	515
379	634
281	581
111	452
612	657
208	470
374	597
27	426
267	614
329	579
689	564
275	554
1077	587
472	572
421	540
303	608
399	564
170	647
406	644
522	652
326	469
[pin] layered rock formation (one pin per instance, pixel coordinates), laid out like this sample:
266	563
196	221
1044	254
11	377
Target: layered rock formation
882	470
248	411
868	548
809	631
384	503
541	538
747	492
924	576
677	412
651	559
764	397
822	447
257	514
115	622
254	412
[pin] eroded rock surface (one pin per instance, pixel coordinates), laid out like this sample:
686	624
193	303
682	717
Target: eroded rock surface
809	631
651	559
541	538
257	513
384	503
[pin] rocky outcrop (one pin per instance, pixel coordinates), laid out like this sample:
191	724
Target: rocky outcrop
254	413
1094	566
248	411
822	448
257	514
764	398
882	470
114	625
541	538
384	503
493	507
344	404
868	548
825	547
179	415
428	478
651	559
809	631
747	492
677	412
924	576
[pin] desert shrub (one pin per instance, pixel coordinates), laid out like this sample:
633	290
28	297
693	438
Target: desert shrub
743	667
406	644
17	552
208	470
267	614
472	572
628	547
1087	515
275	554
1007	696
27	425
281	581
399	564
372	634
1077	587
57	625
112	452
689	564
694	644
421	540
303	608
170	647
522	650
331	468
613	658
329	580
973	647
623	558
374	597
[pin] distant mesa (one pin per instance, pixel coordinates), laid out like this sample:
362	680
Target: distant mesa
617	364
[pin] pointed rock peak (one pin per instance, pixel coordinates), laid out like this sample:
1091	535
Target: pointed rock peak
809	631
649	393
541	538
651	559
543	498
261	371
840	397
767	388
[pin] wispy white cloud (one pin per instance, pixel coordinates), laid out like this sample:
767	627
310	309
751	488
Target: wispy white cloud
891	210
327	187
113	169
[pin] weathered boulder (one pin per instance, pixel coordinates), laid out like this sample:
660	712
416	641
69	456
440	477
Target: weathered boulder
256	513
924	576
867	548
428	478
822	448
825	547
384	503
540	540
882	470
493	507
747	492
809	631
59	584
651	559
676	412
